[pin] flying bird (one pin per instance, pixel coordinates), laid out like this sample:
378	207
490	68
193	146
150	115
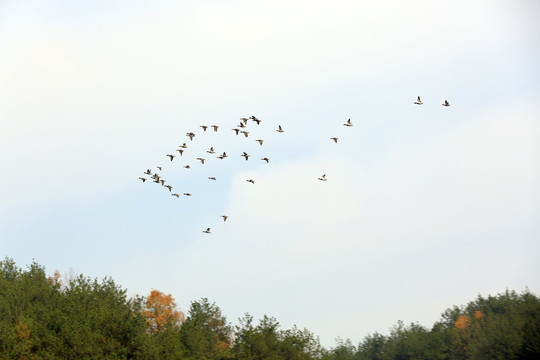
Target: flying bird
169	187
446	103
171	156
280	129
257	120
237	131
323	178
251	181
418	102
222	156
207	231
143	179
260	141
190	135
211	151
215	127
335	139
224	217
162	182
181	151
201	159
184	146
159	167
187	194
246	155
348	123
204	127
242	125
187	166
212	178
245	120
178	196
245	133
265	159
148	172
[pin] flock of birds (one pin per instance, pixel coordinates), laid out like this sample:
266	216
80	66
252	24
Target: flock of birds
157	178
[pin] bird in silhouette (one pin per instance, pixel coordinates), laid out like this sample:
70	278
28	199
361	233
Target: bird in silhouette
143	179
260	141
418	102
224	217
190	135
187	166
201	160
171	156
168	187
242	125
243	119
280	130
266	159
323	178
236	130
207	231
246	155
187	194
212	178
215	127
446	103
204	127
335	139
348	123
181	151
251	181
257	120
245	133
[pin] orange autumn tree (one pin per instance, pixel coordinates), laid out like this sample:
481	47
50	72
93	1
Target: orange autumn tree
160	311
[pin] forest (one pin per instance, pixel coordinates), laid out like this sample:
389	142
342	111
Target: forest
47	317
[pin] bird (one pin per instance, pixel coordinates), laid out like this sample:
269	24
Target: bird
178	196
242	125
159	167
171	156
215	127
254	118
211	151
224	217
155	176
265	159
323	178
143	179
183	146
190	135
260	141
148	172
222	156
446	103
418	102
187	194
246	155
251	181
162	182
204	127
237	131
245	120
245	133
335	139
212	178
156	181
181	151
280	129
207	231
169	187
348	123
187	166
201	159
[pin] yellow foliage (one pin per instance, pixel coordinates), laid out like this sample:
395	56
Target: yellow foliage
160	311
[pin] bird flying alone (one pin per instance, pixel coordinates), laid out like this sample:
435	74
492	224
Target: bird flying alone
335	139
446	103
251	181
348	123
323	178
418	101
212	178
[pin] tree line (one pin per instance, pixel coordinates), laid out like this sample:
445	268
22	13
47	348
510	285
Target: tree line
44	317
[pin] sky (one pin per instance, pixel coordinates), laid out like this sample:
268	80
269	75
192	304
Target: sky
425	207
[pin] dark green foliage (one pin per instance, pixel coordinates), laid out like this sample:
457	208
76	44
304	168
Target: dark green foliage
43	318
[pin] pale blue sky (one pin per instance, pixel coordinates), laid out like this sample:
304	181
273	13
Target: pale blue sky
425	207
